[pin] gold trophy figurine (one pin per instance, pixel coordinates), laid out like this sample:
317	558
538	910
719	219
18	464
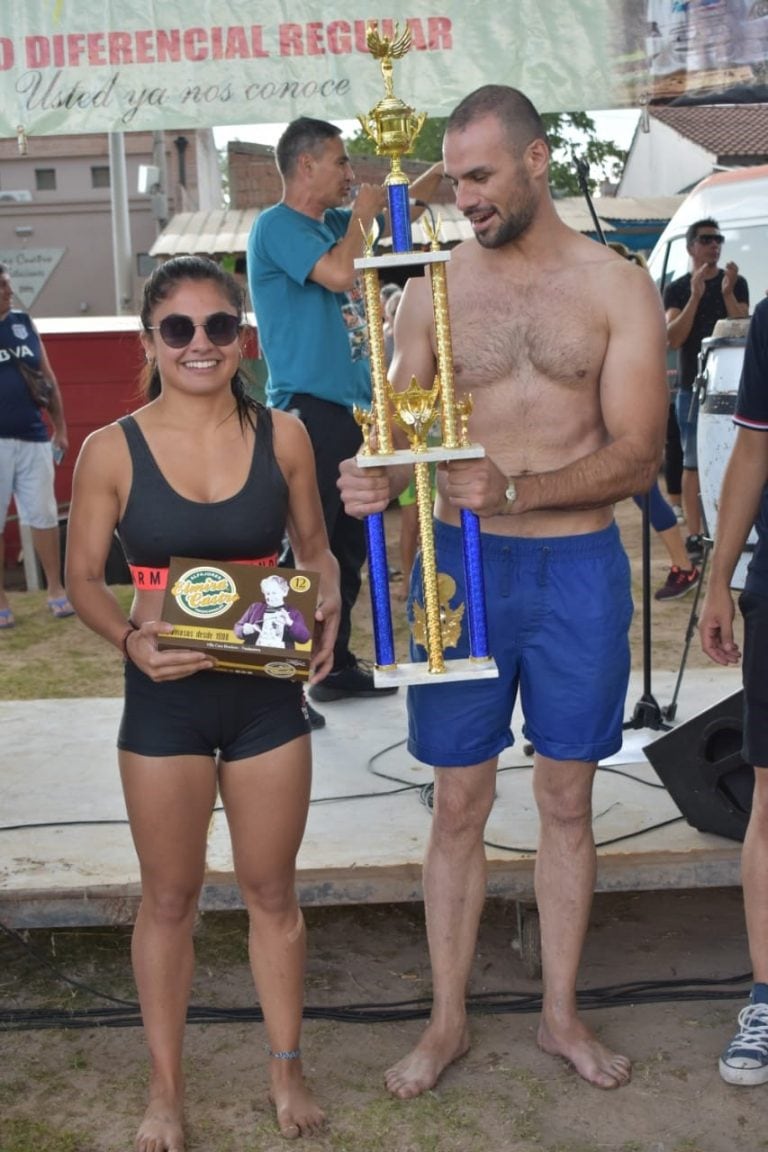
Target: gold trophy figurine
392	125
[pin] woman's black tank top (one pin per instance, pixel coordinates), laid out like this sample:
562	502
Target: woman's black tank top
159	523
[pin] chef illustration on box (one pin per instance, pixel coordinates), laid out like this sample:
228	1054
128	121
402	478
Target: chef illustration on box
269	623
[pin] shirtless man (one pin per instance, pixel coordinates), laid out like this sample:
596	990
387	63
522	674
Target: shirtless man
561	343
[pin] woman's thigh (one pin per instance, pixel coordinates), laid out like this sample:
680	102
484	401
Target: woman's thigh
266	799
169	800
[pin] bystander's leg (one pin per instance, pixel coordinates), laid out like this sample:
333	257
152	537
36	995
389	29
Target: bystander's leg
48	549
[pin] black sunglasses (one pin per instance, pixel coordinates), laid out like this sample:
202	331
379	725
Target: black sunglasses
710	238
177	331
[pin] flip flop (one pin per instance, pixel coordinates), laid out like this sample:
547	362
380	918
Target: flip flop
7	619
61	607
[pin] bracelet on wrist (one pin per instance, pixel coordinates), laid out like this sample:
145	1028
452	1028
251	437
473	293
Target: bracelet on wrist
124	639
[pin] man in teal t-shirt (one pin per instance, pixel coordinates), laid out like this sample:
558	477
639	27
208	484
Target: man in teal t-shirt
311	320
315	340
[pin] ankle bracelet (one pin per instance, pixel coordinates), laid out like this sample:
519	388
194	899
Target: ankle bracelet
290	1054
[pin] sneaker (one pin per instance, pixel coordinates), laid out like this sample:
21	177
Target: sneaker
356	679
679	514
316	719
678	583
694	546
745	1060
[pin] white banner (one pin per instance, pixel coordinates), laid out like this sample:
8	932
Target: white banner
71	66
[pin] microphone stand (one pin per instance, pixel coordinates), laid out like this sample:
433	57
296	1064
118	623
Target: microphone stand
647	713
582	172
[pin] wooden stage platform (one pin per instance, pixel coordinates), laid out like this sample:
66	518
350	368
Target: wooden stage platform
66	856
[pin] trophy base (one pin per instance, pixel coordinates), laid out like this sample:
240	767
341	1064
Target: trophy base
425	456
465	669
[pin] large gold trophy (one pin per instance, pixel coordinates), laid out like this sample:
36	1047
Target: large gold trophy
437	621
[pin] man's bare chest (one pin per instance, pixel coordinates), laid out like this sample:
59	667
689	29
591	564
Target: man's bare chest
508	333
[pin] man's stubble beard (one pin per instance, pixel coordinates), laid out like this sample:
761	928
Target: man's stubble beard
514	226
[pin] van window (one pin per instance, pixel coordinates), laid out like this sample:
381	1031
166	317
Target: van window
748	247
668	261
678	261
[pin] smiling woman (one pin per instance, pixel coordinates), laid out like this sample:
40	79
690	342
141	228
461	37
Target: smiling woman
203	470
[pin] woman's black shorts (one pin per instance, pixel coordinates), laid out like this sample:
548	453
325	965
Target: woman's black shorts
229	714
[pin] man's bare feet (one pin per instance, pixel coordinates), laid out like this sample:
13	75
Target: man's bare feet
580	1047
298	1113
162	1129
421	1069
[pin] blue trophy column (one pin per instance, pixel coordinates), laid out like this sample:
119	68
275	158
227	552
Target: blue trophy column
399	217
477	620
378	578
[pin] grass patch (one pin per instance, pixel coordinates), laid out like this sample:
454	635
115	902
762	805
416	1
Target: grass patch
37	963
46	659
444	1121
20	1135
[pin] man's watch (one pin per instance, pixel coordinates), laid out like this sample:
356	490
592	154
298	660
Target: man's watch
510	495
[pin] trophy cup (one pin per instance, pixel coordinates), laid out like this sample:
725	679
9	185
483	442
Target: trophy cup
393	126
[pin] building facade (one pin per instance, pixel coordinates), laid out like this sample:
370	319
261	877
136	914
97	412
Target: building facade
57	219
684	144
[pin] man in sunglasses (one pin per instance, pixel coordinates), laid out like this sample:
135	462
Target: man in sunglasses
311	320
694	303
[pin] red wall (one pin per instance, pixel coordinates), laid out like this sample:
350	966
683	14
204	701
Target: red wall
98	373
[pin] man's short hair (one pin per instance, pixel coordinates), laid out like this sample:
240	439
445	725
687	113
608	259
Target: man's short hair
302	135
3	270
512	108
693	229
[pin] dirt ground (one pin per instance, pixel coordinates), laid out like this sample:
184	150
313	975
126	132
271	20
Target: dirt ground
81	1089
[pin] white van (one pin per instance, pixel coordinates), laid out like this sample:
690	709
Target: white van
738	201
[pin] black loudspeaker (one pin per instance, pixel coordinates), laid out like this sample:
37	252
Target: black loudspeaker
700	765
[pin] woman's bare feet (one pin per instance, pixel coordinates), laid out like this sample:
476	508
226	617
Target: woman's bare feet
162	1129
298	1113
580	1047
421	1069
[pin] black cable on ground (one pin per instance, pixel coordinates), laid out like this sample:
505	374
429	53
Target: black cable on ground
633	993
510	1003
